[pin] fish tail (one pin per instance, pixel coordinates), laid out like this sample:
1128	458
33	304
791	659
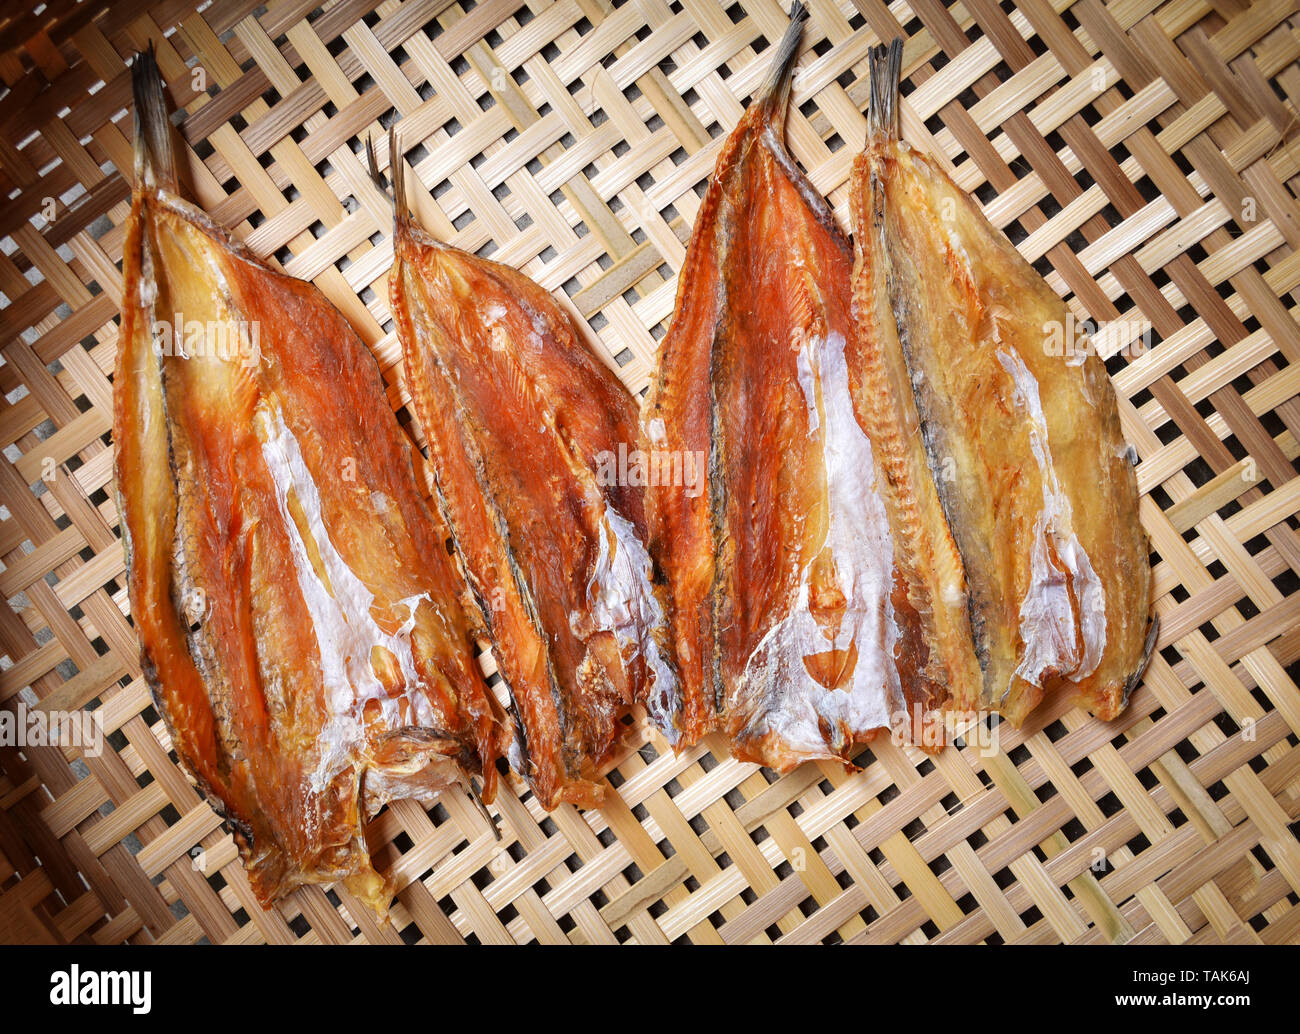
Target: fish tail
154	162
885	65
775	92
401	204
372	166
396	195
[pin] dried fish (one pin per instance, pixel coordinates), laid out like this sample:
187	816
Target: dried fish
796	633
530	437
301	623
1018	438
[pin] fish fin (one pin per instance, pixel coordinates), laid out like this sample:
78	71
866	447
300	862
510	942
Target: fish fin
476	795
154	162
372	165
886	65
1148	648
395	192
775	92
401	204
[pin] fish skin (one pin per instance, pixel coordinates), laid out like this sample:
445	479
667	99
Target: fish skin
795	635
522	421
1023	447
258	496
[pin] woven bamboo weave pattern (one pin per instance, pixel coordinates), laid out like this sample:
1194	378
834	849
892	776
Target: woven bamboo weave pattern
1145	155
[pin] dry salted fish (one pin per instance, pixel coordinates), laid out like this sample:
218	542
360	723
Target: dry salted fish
1037	535
913	506
795	632
300	620
529	435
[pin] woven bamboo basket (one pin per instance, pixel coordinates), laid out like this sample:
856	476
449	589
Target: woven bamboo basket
1144	154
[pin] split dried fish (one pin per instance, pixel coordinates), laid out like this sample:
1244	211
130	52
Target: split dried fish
530	437
795	632
300	619
914	508
1000	448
